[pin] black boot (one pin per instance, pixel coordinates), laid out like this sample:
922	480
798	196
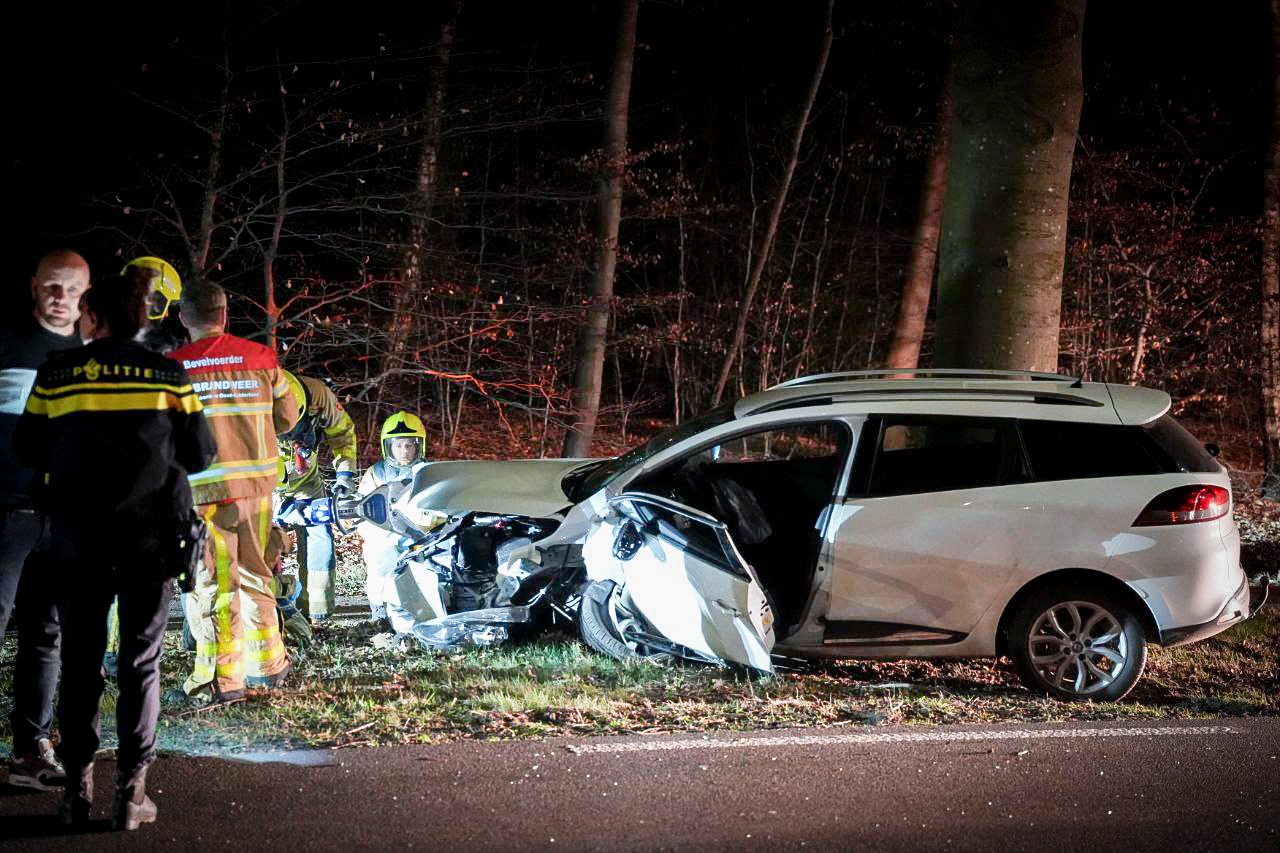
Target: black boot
133	806
77	796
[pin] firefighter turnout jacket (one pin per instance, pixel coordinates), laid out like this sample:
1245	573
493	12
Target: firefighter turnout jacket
247	402
115	429
323	420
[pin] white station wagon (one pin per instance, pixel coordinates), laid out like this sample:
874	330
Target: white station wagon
1066	524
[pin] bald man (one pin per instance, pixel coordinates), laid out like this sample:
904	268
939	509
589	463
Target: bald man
61	278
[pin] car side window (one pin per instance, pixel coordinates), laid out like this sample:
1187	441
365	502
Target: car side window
803	441
683	532
749	479
1062	450
936	454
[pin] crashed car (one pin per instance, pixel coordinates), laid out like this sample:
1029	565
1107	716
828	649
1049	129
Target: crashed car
871	514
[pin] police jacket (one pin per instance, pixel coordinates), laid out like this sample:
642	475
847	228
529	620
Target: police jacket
247	401
115	429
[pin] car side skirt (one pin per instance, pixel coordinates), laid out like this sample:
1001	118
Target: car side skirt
865	632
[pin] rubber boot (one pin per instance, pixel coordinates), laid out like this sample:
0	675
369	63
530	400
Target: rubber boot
133	806
77	797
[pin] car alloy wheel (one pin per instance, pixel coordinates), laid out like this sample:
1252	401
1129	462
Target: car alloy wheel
1078	647
1077	644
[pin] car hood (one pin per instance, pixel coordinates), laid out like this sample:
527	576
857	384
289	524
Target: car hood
529	487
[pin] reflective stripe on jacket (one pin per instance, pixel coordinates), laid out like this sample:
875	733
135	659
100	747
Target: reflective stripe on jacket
247	402
115	430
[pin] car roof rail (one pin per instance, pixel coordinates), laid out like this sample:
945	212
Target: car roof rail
927	372
1059	398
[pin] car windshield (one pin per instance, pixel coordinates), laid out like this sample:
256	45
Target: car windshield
583	482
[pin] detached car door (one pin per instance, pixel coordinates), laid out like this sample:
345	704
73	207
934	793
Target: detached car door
679	569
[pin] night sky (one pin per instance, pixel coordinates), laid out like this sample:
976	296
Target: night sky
77	129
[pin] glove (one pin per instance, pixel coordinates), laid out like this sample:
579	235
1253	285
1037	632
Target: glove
345	486
290	513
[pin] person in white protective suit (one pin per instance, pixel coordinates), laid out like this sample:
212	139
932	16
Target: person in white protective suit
404	446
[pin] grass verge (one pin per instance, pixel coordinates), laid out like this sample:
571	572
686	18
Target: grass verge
345	692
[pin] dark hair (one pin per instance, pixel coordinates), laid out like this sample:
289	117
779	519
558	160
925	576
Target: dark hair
202	301
120	303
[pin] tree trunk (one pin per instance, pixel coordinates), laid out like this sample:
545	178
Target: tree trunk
1018	93
406	297
200	249
277	228
1271	280
775	215
590	371
908	333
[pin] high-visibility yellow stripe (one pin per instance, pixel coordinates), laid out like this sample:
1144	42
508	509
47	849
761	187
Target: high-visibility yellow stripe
113	386
234	668
140	401
214	410
219	471
264	523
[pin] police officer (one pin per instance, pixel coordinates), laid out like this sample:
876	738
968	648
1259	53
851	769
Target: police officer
116	429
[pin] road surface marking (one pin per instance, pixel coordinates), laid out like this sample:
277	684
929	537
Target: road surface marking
896	737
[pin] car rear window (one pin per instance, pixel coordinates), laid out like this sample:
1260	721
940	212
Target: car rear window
1061	450
1183	449
937	454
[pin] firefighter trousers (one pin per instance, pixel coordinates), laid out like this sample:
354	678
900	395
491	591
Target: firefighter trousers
315	569
233	610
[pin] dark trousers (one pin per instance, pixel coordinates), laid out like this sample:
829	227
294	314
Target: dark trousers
26	579
91	578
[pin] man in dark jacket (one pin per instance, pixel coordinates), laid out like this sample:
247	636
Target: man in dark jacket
116	429
60	280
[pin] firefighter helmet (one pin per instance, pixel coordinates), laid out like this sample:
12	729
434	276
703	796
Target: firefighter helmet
166	286
403	425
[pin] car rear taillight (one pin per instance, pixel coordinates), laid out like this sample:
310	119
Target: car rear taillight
1185	505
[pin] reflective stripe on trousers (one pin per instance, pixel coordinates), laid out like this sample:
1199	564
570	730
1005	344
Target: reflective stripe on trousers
235	626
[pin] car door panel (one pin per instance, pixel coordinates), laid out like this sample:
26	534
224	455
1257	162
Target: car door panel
934	561
699	593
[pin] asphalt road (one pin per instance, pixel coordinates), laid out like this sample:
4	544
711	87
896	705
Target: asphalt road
1194	785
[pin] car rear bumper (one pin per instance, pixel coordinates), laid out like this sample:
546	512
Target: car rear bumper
1243	603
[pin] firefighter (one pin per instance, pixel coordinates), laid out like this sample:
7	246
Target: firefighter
321	421
60	279
247	401
404	448
116	429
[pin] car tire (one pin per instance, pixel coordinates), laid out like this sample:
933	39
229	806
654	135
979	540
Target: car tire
1077	645
595	625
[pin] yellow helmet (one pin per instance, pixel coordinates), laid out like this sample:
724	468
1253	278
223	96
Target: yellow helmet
403	425
299	392
165	285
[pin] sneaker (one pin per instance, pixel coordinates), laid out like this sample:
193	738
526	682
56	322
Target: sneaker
40	770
